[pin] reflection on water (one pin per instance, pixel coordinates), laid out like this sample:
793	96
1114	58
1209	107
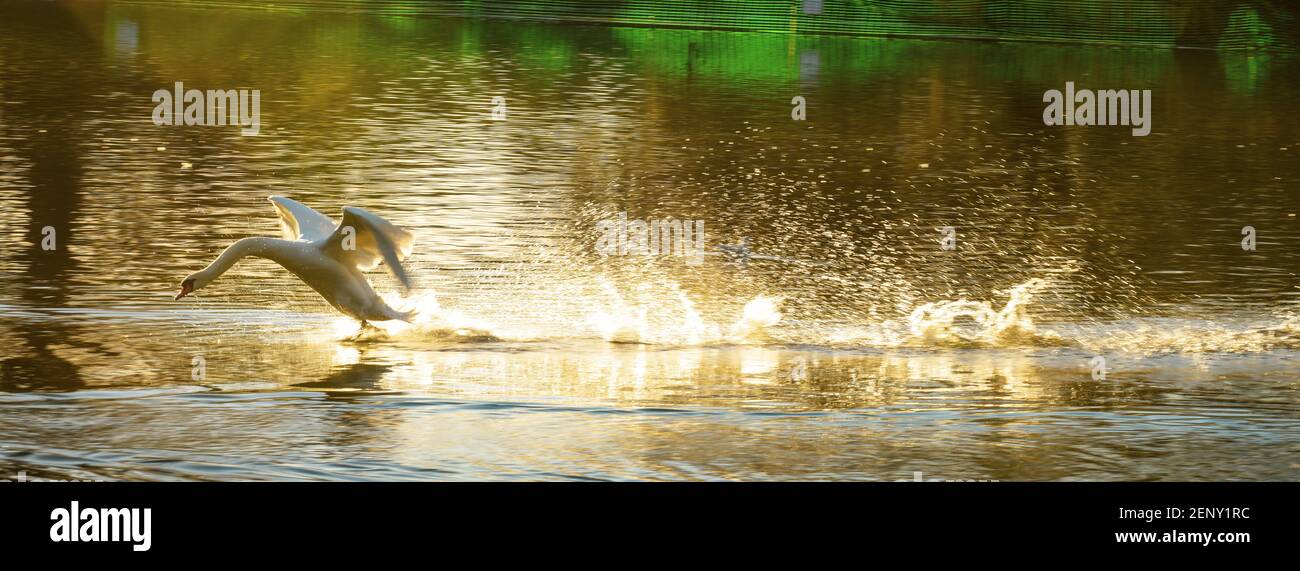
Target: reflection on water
848	346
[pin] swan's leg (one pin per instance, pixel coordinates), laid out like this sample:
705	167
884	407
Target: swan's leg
365	326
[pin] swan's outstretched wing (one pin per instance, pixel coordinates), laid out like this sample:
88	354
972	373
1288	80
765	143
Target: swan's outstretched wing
299	222
374	240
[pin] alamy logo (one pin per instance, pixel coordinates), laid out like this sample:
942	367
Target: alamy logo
669	237
48	238
241	107
948	242
499	108
1098	365
800	110
1104	107
103	524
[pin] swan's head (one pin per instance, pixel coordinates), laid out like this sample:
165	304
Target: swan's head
191	283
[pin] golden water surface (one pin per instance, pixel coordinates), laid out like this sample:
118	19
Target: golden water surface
850	346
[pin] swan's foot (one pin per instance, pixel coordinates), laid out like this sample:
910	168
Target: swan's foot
366	327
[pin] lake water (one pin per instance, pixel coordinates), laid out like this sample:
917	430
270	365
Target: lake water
851	345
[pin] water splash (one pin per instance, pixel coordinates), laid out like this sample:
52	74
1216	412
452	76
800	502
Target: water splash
759	314
943	324
964	323
660	312
431	322
650	320
620	322
960	323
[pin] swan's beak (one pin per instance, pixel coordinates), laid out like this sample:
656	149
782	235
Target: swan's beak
186	288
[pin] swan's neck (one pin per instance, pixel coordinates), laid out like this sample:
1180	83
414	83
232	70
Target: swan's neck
260	247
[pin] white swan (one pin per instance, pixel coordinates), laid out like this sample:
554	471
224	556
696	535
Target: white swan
327	257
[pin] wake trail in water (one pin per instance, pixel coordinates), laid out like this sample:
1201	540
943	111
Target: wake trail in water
963	323
663	314
1167	336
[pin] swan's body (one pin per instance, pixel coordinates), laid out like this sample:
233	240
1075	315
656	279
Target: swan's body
330	258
